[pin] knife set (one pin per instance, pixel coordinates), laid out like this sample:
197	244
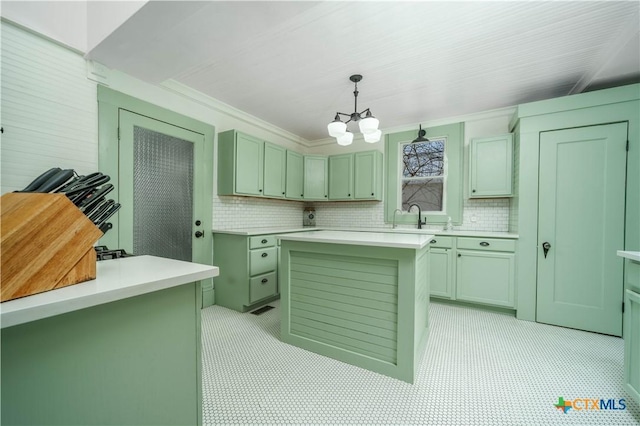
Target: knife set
88	193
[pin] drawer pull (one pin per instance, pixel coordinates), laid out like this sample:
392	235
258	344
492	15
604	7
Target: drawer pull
484	244
265	254
264	281
264	241
433	241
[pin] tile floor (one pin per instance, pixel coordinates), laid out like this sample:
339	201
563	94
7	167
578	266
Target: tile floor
480	368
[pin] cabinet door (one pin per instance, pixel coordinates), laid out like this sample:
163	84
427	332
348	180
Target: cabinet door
368	175
295	176
485	277
341	177
491	164
315	178
632	343
440	273
274	170
249	161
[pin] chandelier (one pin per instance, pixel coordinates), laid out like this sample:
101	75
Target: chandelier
366	121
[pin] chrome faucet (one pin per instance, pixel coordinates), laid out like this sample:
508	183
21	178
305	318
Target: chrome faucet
394	217
420	222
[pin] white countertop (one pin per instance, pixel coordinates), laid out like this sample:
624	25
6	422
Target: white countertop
633	255
116	279
264	230
284	230
378	239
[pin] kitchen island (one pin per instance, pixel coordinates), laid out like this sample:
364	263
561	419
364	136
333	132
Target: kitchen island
358	297
121	349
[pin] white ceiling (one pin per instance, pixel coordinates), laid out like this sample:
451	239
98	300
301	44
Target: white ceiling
289	63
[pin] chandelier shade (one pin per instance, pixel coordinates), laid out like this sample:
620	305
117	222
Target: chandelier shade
367	123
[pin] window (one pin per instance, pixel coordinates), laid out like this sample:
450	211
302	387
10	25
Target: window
425	173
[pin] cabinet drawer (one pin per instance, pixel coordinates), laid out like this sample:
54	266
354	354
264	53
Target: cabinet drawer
262	286
488	244
441	242
261	241
262	261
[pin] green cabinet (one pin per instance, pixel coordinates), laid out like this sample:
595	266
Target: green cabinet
368	175
248	270
294	176
316	178
341	177
275	160
441	267
356	176
631	330
491	167
250	166
485	271
477	270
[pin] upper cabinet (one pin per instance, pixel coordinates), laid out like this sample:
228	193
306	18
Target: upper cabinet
341	177
315	178
294	176
491	167
275	168
368	175
240	164
253	167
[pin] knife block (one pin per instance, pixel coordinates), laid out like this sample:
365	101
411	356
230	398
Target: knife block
46	243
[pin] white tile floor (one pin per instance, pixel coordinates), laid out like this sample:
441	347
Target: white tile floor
480	368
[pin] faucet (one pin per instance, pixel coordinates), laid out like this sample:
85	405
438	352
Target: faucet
420	222
394	217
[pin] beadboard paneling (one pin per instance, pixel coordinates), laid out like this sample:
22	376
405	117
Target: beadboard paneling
49	109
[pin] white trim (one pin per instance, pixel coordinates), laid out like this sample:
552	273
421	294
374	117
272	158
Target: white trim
208	101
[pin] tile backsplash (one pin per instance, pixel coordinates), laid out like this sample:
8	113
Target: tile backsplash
231	212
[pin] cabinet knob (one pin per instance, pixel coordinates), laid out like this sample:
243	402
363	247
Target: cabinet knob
283	193
325	196
259	190
433	241
302	195
459	255
265	254
372	194
264	241
199	234
484	244
473	190
264	281
198	223
348	195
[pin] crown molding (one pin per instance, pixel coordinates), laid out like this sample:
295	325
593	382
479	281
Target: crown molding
223	108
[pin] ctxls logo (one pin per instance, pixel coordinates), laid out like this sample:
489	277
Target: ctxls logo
580	404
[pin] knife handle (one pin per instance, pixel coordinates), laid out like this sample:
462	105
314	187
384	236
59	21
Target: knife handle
41	179
60	178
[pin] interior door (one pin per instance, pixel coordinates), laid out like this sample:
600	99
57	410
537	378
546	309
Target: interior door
581	225
161	173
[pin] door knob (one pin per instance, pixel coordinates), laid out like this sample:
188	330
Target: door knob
199	234
545	248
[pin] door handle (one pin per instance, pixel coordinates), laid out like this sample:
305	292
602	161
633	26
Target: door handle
199	234
545	248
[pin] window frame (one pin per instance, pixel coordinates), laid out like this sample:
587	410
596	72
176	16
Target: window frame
452	203
443	176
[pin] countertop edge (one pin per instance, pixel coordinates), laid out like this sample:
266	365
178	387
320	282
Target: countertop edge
631	255
311	238
272	231
73	298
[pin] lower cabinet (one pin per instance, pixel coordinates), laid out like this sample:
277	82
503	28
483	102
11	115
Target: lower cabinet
631	329
477	270
248	270
441	267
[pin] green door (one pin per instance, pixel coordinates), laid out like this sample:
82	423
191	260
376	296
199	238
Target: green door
341	177
315	178
249	163
274	170
162	172
295	177
581	224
